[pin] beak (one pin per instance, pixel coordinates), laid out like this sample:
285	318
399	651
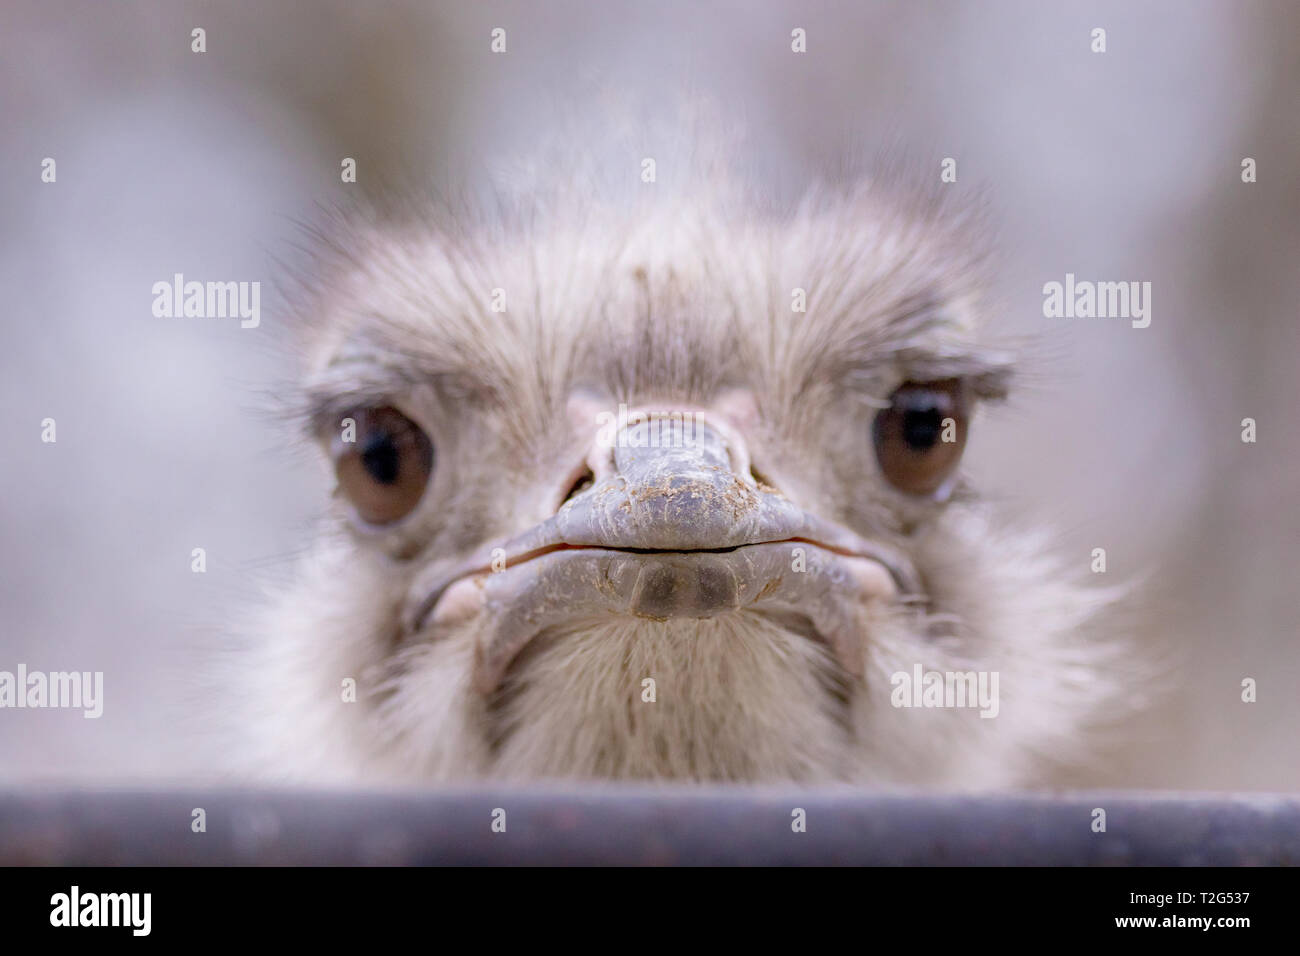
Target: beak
677	526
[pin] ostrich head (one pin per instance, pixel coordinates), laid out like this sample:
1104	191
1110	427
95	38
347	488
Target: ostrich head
665	488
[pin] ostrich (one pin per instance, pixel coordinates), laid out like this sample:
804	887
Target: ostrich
663	487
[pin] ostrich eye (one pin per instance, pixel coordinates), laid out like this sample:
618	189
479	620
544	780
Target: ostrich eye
385	470
920	436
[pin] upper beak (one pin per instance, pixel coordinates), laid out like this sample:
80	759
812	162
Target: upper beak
691	491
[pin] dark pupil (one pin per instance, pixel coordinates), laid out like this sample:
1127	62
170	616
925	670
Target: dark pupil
380	456
921	427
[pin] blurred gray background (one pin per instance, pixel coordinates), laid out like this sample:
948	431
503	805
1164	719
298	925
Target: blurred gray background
1123	165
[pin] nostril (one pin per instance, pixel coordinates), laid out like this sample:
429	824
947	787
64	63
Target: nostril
763	482
583	480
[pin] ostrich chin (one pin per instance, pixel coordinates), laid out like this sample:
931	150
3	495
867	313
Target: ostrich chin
735	697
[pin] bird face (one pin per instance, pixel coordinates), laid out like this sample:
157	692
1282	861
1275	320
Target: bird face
670	490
